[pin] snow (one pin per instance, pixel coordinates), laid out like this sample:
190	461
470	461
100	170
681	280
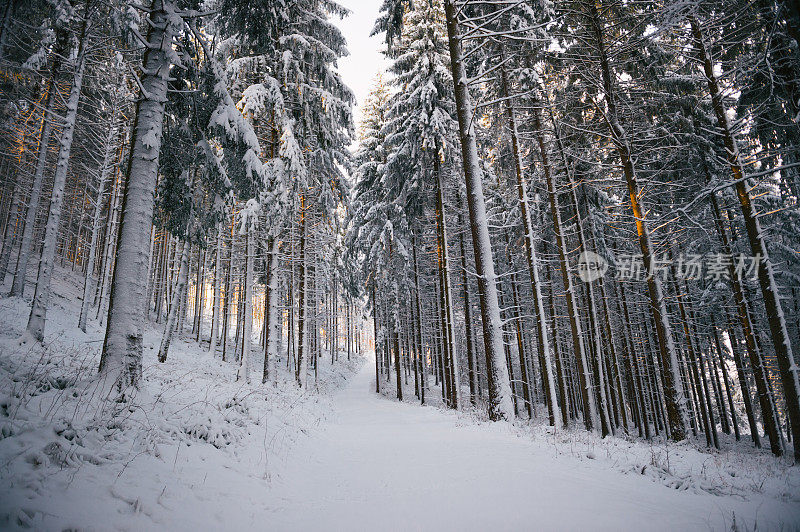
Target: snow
196	450
380	464
152	138
193	450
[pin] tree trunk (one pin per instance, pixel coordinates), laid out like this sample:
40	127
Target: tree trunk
41	298
198	294
300	371
496	372
375	327
18	286
523	365
212	343
465	292
272	317
693	364
11	230
562	392
106	169
421	355
743	384
590	417
451	354
247	326
226	312
726	380
542	335
670	372
172	316
638	378
122	349
110	245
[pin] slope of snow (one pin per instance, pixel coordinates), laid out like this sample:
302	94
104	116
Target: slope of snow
193	450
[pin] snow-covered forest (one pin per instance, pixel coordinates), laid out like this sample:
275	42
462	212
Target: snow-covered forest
548	279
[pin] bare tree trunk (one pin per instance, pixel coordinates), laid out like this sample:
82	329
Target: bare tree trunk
172	313
272	317
212	344
562	391
523	364
226	313
247	326
496	372
693	363
472	375
122	349
638	378
163	268
199	295
765	402
106	169
152	265
10	233
543	338
109	244
422	357
623	407
717	385
300	372
451	354
18	286
335	318
726	380
743	384
670	372
349	328
41	297
396	346
590	417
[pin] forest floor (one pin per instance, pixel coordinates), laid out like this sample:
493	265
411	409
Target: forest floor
195	450
380	464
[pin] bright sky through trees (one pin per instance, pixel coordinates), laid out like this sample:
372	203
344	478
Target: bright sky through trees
365	60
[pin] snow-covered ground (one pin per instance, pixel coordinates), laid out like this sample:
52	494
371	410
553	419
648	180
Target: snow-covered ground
380	464
195	450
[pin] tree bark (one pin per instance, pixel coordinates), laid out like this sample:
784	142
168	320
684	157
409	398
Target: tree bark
451	354
121	360
543	339
497	374
247	326
89	283
212	343
300	370
172	316
41	297
272	317
21	271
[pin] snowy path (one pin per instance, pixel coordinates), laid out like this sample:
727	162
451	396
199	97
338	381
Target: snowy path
380	464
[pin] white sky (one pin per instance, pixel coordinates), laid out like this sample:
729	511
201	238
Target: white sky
365	60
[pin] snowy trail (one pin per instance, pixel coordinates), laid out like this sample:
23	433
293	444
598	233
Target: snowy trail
380	464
